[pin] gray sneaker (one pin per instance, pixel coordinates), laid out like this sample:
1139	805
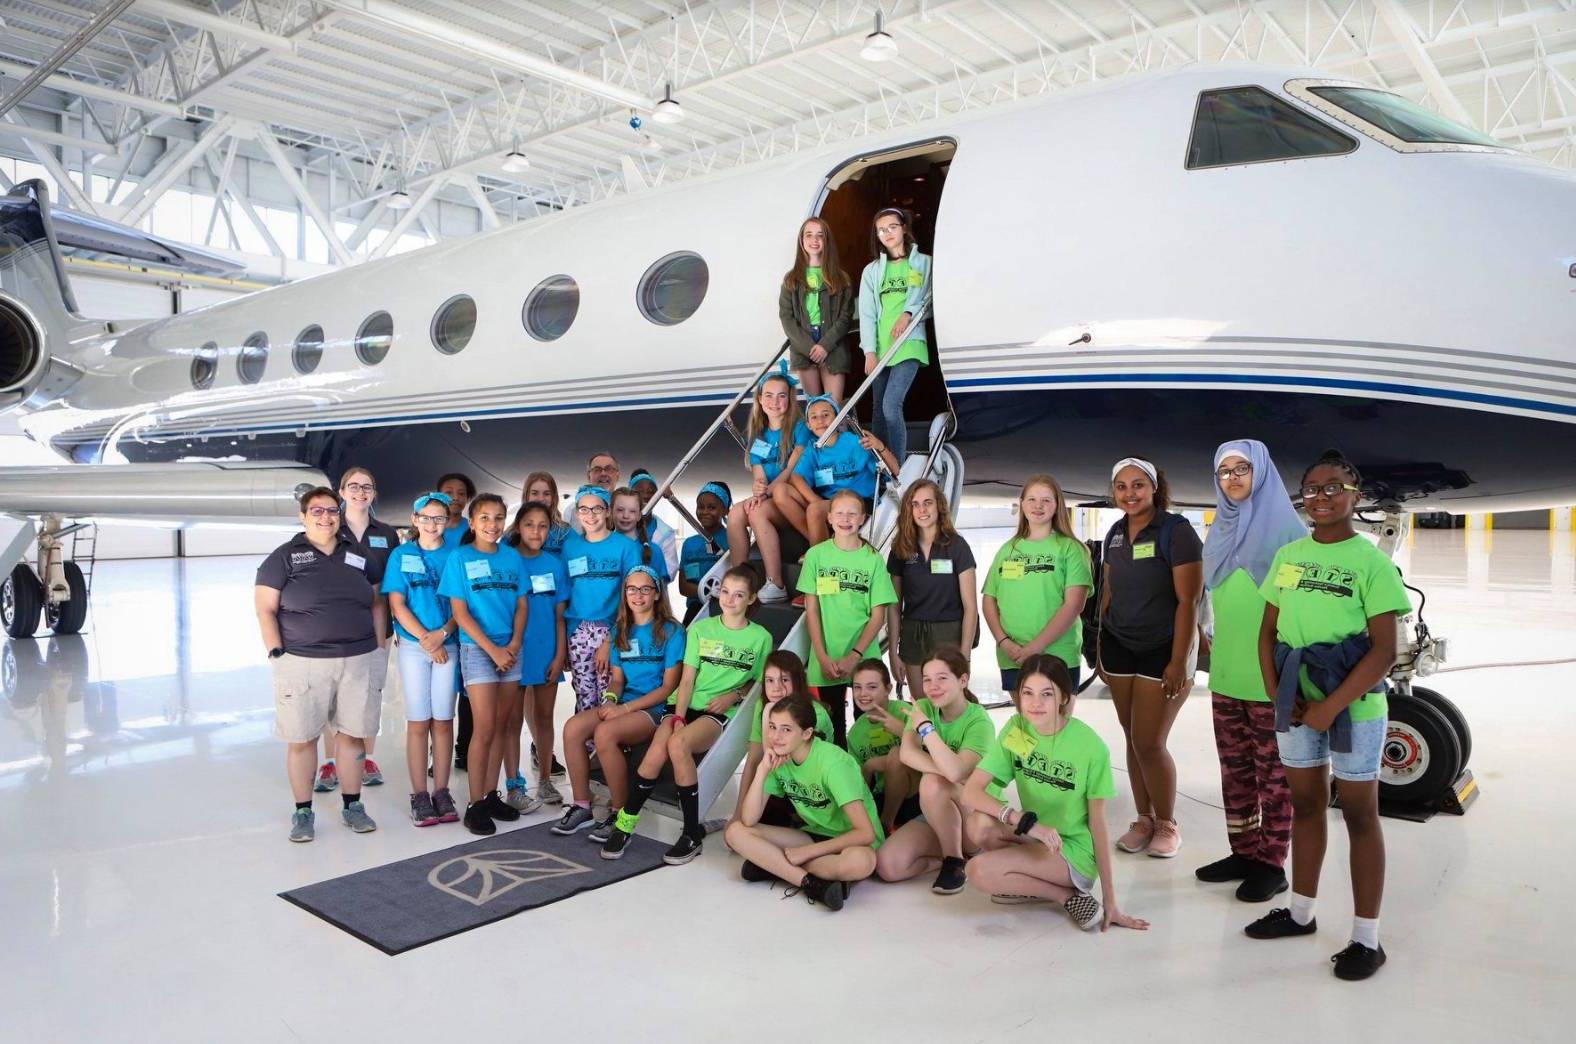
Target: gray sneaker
443	804
549	793
422	811
575	819
604	828
522	800
301	828
355	817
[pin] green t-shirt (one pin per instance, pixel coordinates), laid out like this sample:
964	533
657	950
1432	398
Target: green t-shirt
812	300
1057	776
971	730
828	779
1326	593
823	722
1234	651
723	659
897	279
1029	580
847	585
868	740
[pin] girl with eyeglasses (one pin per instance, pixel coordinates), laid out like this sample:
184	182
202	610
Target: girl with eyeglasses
597	560
724	658
647	660
425	630
774	439
484	580
1327	643
1056	846
893	289
1254	518
543	655
1148	642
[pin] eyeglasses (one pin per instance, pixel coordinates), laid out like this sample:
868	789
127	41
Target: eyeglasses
888	229
431	520
1329	489
359	487
322	512
591	509
1236	470
602	469
640	589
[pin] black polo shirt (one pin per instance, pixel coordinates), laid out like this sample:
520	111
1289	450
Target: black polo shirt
325	601
1141	612
931	591
377	542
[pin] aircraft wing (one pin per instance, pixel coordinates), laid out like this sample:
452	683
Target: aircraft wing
183	491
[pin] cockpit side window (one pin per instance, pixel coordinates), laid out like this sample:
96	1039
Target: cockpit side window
1239	125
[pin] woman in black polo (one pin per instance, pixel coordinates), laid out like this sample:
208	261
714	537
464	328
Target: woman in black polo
1154	577
373	540
932	571
322	622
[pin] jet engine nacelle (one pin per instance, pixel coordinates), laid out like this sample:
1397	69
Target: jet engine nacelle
24	358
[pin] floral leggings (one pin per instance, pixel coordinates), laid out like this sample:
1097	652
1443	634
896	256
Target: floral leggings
590	683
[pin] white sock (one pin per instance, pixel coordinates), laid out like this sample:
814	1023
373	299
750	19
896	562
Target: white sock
1301	908
1365	930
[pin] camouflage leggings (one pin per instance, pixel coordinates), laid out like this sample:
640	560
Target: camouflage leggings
1252	779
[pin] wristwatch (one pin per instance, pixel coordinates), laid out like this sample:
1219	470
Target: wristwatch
276	652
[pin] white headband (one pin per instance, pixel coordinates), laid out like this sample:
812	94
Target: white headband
1139	463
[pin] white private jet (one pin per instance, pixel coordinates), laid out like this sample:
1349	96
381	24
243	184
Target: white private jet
1151	265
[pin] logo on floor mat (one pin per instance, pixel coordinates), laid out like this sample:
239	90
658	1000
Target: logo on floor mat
480	878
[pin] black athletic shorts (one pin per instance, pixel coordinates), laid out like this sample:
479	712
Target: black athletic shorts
1118	661
694	714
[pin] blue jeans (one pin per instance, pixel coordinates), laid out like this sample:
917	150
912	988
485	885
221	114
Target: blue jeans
886	398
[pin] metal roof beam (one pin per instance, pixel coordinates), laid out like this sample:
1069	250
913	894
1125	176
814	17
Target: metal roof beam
198	18
261	135
84	89
14	127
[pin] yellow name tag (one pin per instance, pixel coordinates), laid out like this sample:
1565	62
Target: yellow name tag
1012	569
1018	742
827	585
1146	550
710	647
1288	575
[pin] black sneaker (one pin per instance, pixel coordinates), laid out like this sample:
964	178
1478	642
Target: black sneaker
477	821
1357	962
498	808
556	769
1277	924
1231	868
951	879
752	873
1263	883
687	847
829	894
613	847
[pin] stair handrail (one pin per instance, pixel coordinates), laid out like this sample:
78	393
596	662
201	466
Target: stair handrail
870	378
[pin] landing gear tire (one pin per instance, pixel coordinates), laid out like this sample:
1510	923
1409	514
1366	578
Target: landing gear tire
21	602
1452	713
1421	755
69	616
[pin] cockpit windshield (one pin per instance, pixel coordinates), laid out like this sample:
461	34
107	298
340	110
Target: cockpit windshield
1404	119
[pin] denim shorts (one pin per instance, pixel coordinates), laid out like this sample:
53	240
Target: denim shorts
1303	747
478	668
429	687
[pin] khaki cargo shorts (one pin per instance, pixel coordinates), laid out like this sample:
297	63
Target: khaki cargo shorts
312	692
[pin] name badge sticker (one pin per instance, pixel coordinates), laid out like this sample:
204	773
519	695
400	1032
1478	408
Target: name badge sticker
578	566
412	564
381	543
355	561
1288	575
827	585
1018	743
1012	569
710	647
824	476
634	649
543	583
941	566
478	570
1144	550
761	450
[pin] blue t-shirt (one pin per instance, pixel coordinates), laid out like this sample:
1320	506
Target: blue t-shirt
555	538
644	662
415	574
695	561
763	451
658	563
841	464
451	537
490	584
596	575
547	586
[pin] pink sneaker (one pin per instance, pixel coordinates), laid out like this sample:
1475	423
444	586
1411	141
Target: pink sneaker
1167	841
1137	837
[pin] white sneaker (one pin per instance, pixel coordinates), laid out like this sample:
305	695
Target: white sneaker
549	793
772	592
